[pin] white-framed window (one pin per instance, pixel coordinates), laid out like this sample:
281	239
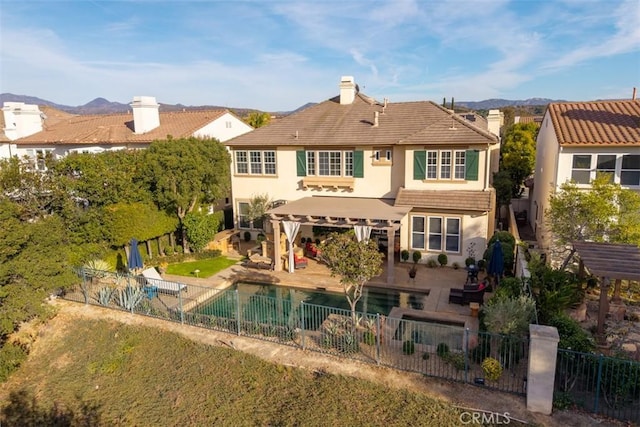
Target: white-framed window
243	219
432	165
630	170
348	163
435	233
311	162
459	168
606	163
581	168
38	158
382	155
255	162
418	232
441	234
445	164
228	124
330	163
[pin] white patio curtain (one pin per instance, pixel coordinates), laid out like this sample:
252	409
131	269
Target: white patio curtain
291	229
362	232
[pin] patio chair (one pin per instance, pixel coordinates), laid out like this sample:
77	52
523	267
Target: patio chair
300	262
468	294
153	280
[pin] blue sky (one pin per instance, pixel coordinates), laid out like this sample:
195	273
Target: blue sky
277	55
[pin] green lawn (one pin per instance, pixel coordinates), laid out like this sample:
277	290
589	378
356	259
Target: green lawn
100	372
205	267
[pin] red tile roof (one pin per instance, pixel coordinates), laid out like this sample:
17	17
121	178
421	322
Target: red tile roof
597	123
332	124
118	128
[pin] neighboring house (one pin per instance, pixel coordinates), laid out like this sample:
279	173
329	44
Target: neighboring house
416	173
577	140
30	132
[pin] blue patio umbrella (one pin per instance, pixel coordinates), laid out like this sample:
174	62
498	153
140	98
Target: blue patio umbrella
135	260
496	262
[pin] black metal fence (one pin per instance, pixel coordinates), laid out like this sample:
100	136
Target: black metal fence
433	349
601	384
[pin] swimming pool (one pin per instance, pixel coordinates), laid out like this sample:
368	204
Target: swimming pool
270	303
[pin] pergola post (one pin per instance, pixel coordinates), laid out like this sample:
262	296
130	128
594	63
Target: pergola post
277	266
391	236
602	310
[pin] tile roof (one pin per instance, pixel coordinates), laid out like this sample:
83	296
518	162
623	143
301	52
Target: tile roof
332	124
118	128
464	200
597	123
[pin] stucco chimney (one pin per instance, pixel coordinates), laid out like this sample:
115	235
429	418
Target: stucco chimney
375	119
21	119
347	90
495	120
146	115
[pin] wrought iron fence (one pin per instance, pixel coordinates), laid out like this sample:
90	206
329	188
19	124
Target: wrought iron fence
427	347
605	385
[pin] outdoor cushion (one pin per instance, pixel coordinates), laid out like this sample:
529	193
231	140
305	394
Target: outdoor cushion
153	278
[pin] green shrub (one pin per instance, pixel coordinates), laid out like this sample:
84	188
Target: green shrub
511	350
369	338
417	256
492	368
456	360
432	263
504	237
470	261
443	259
572	336
442	350
247	236
11	357
482	264
510	287
408	347
562	400
455	265
404	254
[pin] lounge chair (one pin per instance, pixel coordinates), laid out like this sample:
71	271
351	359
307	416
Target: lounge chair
299	261
154	280
259	262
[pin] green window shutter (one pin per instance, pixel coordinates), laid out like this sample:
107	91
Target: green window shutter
301	163
358	164
471	165
419	164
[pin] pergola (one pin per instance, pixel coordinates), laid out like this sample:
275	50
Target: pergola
341	212
608	261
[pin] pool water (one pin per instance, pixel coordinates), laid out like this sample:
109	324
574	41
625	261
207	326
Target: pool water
272	303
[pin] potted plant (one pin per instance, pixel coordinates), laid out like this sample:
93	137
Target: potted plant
413	271
417	256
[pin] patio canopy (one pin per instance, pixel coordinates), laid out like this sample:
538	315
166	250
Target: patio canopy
615	261
341	211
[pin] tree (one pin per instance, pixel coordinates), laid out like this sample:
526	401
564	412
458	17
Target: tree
518	153
188	173
258	119
605	212
200	228
257	210
35	191
144	221
355	262
104	178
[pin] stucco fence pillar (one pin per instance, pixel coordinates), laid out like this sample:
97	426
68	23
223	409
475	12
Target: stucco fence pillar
543	355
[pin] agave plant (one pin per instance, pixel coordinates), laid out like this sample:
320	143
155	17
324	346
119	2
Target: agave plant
130	297
105	295
97	268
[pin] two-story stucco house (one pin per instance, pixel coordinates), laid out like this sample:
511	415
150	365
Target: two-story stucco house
29	132
416	173
577	140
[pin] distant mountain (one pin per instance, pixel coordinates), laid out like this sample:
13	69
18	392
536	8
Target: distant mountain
104	106
488	104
